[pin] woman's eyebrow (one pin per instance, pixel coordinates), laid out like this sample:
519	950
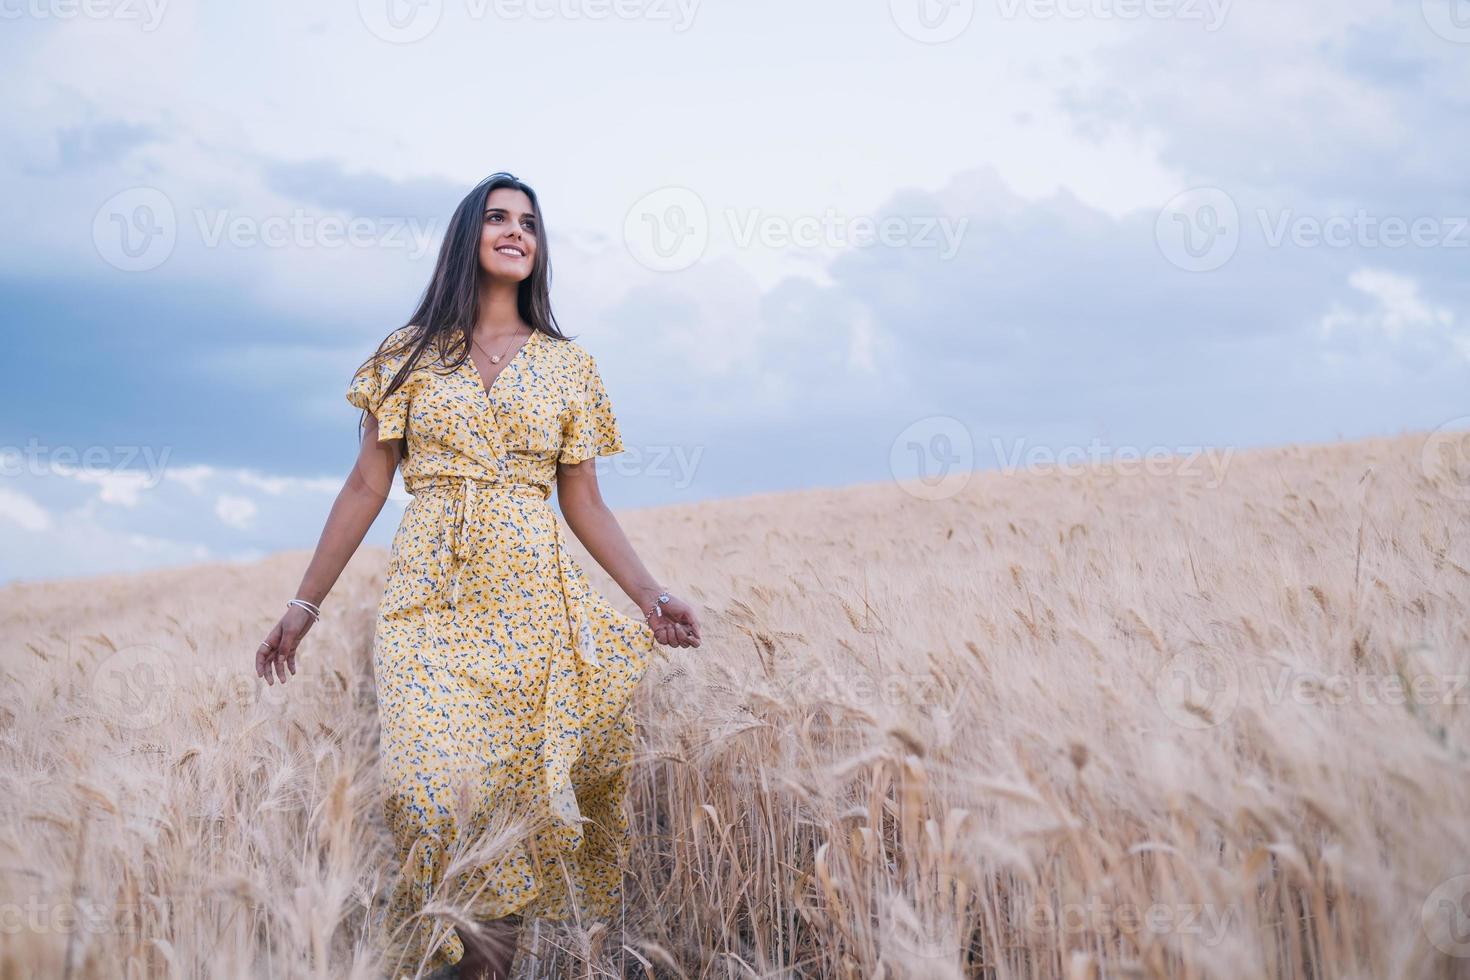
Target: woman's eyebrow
521	214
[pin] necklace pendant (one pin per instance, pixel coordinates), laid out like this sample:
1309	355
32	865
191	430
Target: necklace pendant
494	358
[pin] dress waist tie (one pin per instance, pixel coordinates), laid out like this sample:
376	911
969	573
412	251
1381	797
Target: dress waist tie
562	708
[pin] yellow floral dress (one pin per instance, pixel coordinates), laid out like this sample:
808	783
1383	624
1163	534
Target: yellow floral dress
502	675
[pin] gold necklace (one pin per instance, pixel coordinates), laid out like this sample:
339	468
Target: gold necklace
495	358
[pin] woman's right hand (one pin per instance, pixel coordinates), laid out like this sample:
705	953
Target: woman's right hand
674	624
278	652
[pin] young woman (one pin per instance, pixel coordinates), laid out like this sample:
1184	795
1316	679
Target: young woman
503	677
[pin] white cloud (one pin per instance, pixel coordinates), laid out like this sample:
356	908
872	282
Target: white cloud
279	485
78	545
199	511
237	512
193	477
1398	308
1059	311
20	509
116	486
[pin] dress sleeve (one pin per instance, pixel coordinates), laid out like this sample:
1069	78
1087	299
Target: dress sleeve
366	392
591	428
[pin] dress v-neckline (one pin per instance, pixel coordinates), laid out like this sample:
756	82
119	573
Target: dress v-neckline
479	379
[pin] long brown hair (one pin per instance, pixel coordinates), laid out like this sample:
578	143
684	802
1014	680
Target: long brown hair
450	306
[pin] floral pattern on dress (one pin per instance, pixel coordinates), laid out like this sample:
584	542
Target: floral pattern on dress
503	678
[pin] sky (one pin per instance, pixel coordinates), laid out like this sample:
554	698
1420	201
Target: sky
809	244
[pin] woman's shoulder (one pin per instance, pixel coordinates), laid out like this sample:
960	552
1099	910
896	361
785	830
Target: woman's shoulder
394	348
571	353
397	340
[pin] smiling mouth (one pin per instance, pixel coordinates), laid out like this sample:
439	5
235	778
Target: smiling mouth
511	250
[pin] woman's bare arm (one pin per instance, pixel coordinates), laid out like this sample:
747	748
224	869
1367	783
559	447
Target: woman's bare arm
598	529
357	505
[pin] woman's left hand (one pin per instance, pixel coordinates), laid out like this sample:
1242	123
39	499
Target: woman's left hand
677	627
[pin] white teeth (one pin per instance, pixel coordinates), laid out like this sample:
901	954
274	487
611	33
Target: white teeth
507	250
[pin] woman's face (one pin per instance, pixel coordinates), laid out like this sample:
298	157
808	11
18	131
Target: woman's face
508	236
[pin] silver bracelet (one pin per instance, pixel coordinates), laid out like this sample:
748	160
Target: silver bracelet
658	604
310	607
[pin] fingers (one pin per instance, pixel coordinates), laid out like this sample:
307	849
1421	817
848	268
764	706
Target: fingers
288	651
686	627
682	635
275	657
266	651
285	653
677	627
675	634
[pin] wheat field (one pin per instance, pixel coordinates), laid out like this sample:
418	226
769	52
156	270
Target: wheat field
1056	724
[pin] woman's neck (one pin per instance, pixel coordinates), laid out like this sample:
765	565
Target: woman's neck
499	314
